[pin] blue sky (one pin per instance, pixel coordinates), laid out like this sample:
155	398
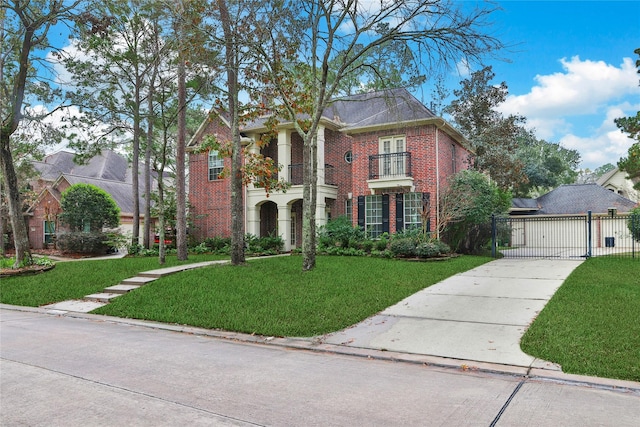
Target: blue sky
571	71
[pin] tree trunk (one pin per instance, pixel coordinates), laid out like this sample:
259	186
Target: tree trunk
237	202
309	199
135	192
18	225
181	205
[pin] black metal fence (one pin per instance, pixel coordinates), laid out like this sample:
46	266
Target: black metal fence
567	236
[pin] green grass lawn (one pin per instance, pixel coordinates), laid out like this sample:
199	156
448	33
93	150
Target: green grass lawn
591	326
275	297
76	279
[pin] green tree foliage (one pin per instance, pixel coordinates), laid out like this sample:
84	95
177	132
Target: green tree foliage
25	81
546	165
493	137
466	206
84	204
631	126
634	224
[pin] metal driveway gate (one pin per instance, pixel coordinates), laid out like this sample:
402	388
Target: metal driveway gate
566	236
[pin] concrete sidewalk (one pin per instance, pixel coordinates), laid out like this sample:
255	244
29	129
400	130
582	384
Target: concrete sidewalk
479	315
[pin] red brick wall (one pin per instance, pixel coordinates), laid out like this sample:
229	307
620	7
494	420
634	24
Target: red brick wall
336	145
210	200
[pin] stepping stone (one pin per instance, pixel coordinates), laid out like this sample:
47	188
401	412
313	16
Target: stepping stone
102	297
76	306
138	280
121	289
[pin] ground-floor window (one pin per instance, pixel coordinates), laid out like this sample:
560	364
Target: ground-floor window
293	230
412	210
373	215
348	207
49	231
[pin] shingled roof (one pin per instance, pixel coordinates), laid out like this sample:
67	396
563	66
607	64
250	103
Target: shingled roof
109	171
389	106
581	198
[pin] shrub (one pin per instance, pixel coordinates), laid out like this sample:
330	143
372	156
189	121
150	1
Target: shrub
340	232
218	244
403	247
86	207
83	243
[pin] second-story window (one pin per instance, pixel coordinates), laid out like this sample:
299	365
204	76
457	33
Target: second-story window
392	160
216	164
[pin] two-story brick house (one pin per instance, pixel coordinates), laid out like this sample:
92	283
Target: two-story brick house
381	157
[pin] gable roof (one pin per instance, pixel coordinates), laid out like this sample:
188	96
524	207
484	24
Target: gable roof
106	165
109	171
580	198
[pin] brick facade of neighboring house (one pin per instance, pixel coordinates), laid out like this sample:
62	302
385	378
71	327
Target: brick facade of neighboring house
381	155
57	172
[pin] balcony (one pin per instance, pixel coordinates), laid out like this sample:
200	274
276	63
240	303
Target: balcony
295	174
392	165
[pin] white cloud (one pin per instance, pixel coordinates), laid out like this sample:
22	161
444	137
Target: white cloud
583	88
578	105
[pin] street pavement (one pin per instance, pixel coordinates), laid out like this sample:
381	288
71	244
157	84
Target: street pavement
85	370
458	339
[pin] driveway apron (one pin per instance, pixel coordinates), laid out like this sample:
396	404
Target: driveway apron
479	315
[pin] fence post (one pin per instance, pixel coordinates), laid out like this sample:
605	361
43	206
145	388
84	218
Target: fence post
588	234
494	234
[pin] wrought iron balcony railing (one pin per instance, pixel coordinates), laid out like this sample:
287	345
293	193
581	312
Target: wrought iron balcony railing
392	165
295	174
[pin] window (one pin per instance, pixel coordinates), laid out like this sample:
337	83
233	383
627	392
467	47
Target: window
348	157
86	226
348	208
393	159
216	164
49	231
293	230
412	210
373	215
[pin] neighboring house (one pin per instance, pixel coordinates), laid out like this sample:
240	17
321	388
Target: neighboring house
382	156
555	210
617	181
109	171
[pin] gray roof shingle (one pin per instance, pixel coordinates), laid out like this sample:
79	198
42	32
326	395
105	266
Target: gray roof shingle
580	198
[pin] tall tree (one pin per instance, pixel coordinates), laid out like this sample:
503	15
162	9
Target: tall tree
546	165
336	40
493	137
631	126
111	80
24	30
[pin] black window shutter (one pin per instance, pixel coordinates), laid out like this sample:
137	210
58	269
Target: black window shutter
399	212
426	197
385	213
361	212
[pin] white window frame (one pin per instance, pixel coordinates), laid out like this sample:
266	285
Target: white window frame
373	215
391	145
215	165
348	208
412	205
44	231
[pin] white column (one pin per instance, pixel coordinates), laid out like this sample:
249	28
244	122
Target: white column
284	152
320	145
321	212
253	220
284	225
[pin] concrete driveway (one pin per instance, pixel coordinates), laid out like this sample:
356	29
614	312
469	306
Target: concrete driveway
479	315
